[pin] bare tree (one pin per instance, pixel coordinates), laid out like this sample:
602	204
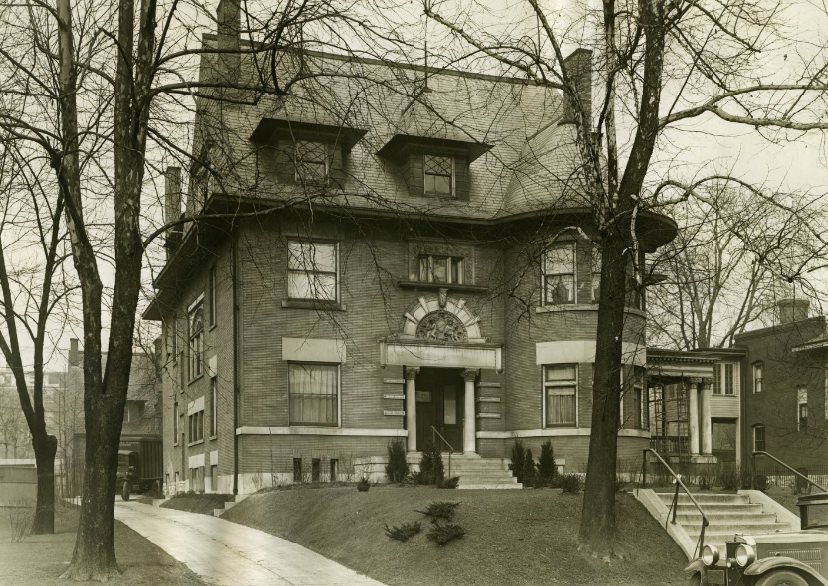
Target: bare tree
659	65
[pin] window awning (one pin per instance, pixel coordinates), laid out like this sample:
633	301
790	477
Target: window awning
270	130
399	143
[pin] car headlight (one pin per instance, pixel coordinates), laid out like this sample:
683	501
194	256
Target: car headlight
744	555
710	555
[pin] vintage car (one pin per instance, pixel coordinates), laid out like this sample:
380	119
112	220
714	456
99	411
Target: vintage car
791	558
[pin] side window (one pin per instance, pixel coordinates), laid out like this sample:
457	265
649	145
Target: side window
560	384
758	368
759	438
440	269
313	394
311	162
559	274
312	270
595	261
196	346
802	408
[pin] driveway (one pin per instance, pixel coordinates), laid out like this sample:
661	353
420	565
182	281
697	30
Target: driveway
221	552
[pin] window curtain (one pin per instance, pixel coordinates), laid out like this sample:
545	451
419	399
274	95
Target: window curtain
560	406
313	394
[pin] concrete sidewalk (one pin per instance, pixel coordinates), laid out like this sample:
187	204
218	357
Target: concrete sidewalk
221	552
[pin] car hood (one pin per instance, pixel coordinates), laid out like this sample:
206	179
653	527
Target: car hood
785	537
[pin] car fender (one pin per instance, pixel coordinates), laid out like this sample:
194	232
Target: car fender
765	565
696	567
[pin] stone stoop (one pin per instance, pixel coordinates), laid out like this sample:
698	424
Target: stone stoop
230	504
728	514
480	473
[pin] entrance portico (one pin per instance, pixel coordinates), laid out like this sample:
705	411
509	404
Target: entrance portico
442	353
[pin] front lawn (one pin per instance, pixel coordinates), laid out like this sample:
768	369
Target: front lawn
512	536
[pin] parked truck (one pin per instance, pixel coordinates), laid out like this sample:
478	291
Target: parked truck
139	465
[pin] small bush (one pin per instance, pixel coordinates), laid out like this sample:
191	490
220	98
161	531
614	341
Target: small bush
620	483
363	485
397	468
570	484
729	477
442	534
760	482
440	511
546	463
705	482
452	482
518	457
431	465
529	477
403	532
21	515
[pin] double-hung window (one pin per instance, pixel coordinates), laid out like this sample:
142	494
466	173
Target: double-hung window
213	406
802	408
438	175
758	368
196	346
596	274
440	269
313	393
759	438
196	426
311	161
559	274
312	270
560	384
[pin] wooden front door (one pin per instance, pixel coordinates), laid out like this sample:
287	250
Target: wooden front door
440	404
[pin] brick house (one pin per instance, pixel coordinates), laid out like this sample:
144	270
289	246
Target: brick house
362	270
784	405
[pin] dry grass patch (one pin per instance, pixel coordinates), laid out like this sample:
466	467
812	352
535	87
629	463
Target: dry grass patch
512	537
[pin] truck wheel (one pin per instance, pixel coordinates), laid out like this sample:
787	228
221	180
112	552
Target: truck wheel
782	578
125	491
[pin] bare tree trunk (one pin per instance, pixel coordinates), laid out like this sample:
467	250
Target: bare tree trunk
45	450
597	529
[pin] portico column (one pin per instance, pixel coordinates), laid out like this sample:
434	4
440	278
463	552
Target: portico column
469	415
411	407
693	415
706	392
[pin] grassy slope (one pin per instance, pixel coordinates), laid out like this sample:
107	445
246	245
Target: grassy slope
513	537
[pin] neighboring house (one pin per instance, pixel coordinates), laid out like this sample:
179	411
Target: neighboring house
373	272
786	387
142	412
15	439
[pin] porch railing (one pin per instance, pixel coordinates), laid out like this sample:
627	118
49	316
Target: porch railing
673	506
435	433
781	463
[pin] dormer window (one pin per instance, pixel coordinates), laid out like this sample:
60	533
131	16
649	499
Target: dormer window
438	175
311	161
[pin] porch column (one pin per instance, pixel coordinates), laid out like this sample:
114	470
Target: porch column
706	392
469	416
693	415
411	407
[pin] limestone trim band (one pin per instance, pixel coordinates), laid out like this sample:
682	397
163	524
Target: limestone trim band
557	432
308	430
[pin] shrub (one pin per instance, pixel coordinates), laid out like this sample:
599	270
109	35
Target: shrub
729	477
570	484
760	482
452	482
431	465
404	532
529	477
397	468
705	482
546	463
440	511
442	534
518	457
363	485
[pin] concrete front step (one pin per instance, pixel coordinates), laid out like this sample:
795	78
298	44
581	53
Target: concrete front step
714	509
490	486
726	517
230	504
480	473
732	528
706	498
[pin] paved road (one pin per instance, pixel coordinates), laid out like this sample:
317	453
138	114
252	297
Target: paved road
221	552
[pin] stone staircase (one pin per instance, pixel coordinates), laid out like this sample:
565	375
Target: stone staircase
728	513
230	504
480	473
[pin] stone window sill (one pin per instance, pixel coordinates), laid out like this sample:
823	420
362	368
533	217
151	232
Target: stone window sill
313	304
428	285
583	307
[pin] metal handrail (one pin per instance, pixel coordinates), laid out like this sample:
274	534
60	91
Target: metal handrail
448	445
781	463
674	504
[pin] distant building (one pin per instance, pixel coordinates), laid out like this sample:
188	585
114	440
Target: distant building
142	412
786	387
15	439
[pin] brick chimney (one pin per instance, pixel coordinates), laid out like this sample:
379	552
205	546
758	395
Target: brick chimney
228	29
74	352
578	68
172	207
791	310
